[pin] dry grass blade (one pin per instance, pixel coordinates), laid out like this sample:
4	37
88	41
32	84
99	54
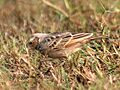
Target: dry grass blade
55	7
95	66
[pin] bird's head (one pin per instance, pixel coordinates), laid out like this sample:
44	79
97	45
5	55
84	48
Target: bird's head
35	39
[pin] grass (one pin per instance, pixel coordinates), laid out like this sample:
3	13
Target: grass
95	66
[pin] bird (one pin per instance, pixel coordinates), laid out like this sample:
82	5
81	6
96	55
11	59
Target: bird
58	45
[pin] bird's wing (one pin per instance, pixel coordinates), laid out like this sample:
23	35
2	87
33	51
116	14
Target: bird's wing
64	40
80	38
56	40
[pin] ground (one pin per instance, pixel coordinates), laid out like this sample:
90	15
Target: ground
95	66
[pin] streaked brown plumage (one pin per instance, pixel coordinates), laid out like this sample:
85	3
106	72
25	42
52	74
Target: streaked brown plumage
58	45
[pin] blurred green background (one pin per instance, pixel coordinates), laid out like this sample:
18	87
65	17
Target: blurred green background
95	66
